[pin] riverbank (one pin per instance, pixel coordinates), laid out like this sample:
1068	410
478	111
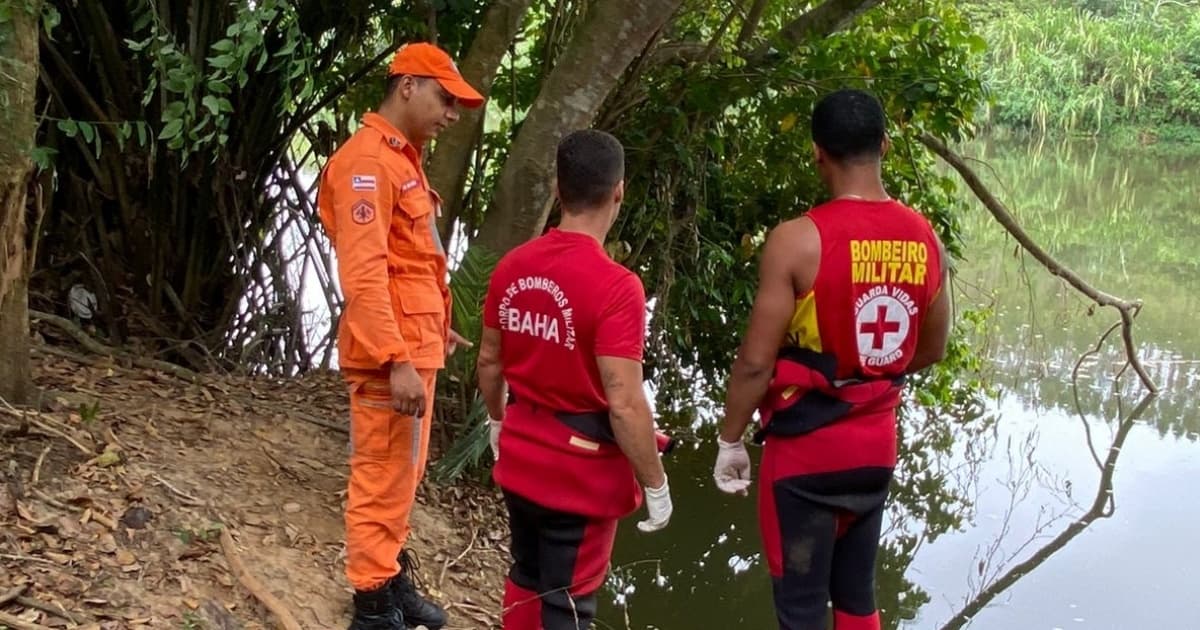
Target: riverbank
1157	141
133	495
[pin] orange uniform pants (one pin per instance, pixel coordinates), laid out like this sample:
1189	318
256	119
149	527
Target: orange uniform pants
387	461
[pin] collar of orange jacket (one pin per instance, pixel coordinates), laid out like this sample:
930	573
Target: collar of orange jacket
395	139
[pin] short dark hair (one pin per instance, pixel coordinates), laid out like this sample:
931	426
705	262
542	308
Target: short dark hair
590	164
849	125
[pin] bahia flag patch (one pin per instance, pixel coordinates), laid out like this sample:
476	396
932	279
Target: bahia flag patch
362	183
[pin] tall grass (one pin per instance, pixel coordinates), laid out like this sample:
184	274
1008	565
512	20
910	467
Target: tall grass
1087	66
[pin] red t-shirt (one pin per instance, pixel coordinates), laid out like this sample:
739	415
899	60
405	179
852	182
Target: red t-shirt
559	302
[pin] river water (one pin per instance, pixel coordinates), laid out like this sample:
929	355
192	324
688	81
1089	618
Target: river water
1050	505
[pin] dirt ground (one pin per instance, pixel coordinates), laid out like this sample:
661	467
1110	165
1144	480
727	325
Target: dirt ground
116	496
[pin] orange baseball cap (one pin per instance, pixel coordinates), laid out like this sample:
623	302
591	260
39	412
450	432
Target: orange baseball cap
426	60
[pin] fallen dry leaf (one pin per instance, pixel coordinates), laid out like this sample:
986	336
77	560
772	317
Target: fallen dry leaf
125	557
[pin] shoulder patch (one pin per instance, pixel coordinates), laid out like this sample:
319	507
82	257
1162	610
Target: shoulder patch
362	183
409	185
362	212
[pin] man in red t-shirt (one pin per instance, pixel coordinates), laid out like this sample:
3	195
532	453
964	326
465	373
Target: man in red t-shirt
850	300
560	369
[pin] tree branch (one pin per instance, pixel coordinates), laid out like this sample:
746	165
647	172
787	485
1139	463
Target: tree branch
750	24
821	21
19	624
332	95
89	343
1104	496
606	42
829	17
252	584
448	165
1128	309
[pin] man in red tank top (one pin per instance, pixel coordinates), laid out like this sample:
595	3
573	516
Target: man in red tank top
560	369
850	301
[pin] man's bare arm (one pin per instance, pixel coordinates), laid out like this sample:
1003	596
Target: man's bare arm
632	423
788	248
491	375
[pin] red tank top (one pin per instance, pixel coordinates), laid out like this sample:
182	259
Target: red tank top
880	270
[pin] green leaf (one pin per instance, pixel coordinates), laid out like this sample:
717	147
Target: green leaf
213	105
224	45
221	61
171	131
305	91
68	127
150	91
219	87
88	131
50	17
977	43
43	157
142	132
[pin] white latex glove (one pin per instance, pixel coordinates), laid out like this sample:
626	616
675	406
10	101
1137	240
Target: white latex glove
658	504
732	472
494	437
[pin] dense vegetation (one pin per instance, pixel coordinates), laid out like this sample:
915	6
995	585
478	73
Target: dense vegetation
1129	69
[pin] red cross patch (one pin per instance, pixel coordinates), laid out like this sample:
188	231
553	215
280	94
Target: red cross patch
362	212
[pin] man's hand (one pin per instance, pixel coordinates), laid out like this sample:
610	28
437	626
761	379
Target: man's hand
408	392
732	472
494	437
454	341
658	504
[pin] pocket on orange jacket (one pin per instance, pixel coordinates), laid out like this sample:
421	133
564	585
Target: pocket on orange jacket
422	316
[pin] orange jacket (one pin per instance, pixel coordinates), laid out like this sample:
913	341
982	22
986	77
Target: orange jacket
380	213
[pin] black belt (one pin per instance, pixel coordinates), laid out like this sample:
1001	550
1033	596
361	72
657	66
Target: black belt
596	425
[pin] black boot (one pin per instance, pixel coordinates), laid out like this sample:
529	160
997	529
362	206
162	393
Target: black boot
417	610
376	610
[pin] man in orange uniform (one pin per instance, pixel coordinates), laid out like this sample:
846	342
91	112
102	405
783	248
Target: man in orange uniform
380	213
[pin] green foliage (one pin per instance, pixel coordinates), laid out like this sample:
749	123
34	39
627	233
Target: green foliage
198	109
205	534
1089	66
192	124
464	416
718	155
468	448
192	621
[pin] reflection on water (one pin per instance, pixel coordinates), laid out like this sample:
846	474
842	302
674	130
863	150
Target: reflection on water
1016	514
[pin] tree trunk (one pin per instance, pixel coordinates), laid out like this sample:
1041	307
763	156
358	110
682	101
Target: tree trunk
448	168
830	16
613	34
18	83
